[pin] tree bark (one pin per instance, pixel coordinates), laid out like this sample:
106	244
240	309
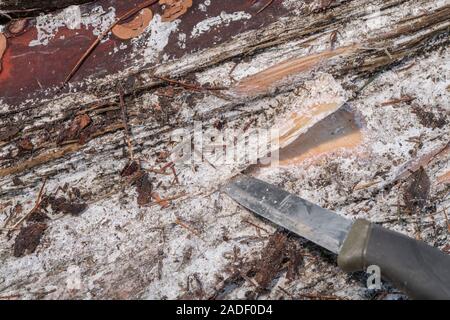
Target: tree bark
424	32
27	8
82	138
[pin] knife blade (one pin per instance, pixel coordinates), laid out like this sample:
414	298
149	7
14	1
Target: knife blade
293	213
421	271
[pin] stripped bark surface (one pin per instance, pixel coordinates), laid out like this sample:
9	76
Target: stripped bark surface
364	59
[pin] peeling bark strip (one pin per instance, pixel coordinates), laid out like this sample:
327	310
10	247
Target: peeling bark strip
276	76
135	27
3	44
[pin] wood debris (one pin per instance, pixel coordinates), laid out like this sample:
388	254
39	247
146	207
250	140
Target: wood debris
134	173
271	260
130	169
144	189
164	203
63	205
447	221
25	145
28	239
189	86
404	99
36	206
73	132
40	159
280	254
415	164
417	191
188	225
295	260
429	119
124	115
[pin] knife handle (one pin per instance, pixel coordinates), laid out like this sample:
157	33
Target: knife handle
417	269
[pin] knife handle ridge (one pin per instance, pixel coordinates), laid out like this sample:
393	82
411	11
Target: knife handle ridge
417	269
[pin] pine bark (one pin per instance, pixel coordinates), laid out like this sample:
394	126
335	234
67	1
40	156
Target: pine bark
424	33
24	8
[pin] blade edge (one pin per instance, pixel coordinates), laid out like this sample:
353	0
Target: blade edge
293	213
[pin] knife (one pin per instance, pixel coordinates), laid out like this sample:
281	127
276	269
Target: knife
415	268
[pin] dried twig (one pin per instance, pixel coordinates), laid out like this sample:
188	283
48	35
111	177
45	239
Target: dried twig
189	86
4	14
187	227
176	180
36	206
11	296
265	6
97	41
318	296
164	202
404	99
285	291
256	226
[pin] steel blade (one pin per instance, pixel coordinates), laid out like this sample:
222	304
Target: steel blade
295	214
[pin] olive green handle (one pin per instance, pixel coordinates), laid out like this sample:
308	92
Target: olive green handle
417	269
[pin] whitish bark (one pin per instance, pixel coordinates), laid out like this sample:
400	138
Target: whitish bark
117	249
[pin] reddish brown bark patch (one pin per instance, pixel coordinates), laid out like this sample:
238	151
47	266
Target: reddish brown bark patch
135	27
144	190
63	205
28	239
174	8
39	71
130	169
